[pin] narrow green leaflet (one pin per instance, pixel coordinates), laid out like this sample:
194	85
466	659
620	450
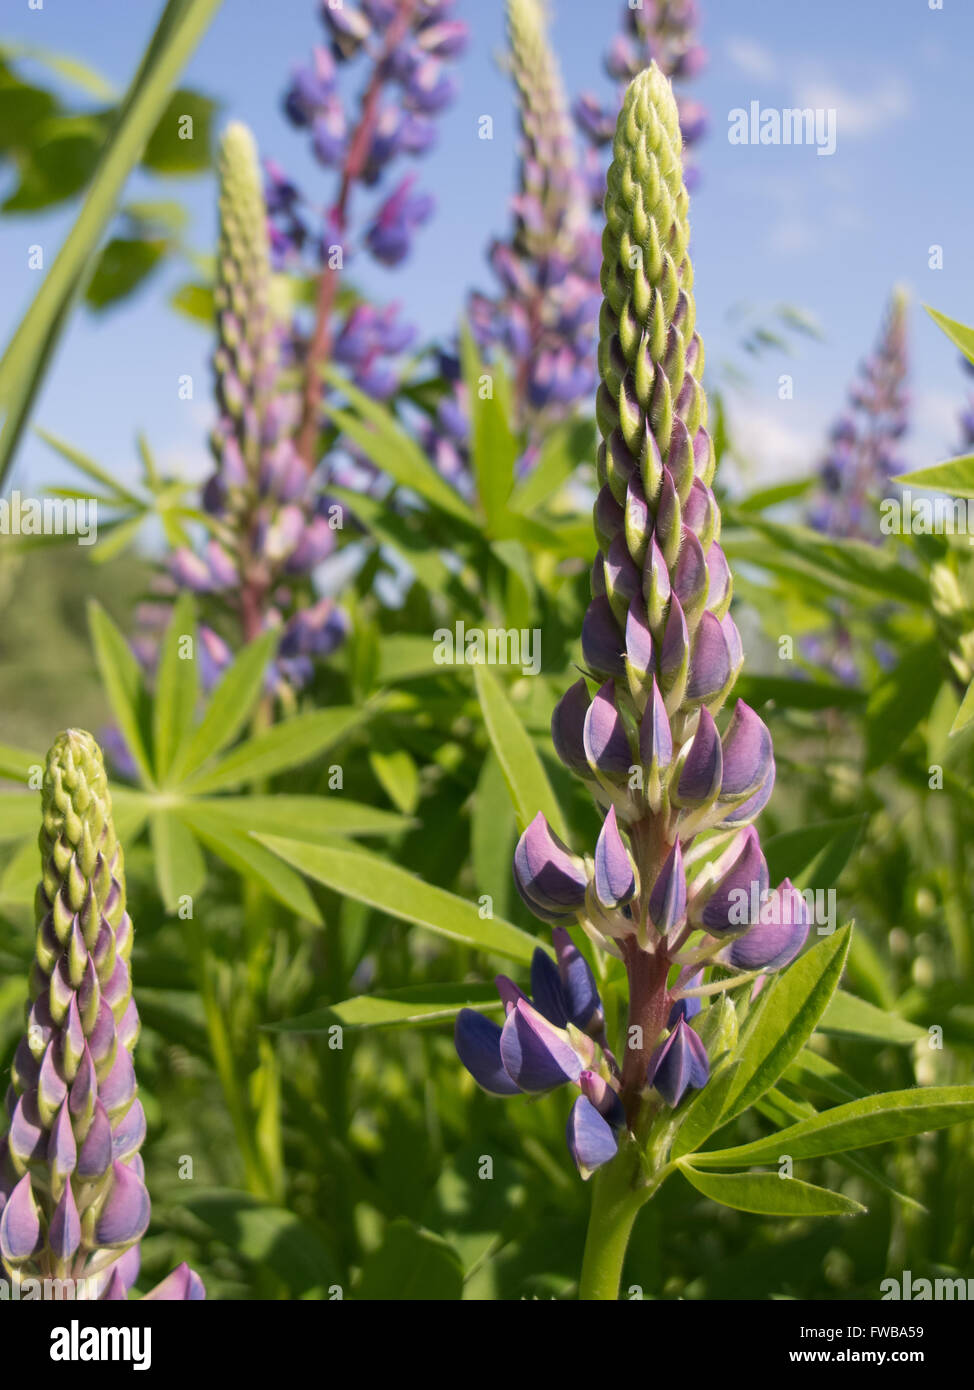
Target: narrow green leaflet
785	1018
959	334
523	770
229	707
955	476
562	450
493	446
767	1194
312	818
249	859
356	874
393	1008
122	679
855	1125
295	741
179	864
176	685
847	1016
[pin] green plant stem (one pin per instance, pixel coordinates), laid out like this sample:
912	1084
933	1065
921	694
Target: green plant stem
619	1190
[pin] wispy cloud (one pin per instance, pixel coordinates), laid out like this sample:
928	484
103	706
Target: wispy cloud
752	58
859	113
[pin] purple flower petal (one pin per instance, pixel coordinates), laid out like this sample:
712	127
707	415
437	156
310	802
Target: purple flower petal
567	725
778	936
591	1141
20	1224
615	880
550	879
478	1043
700	776
534	1053
602	641
737	895
747	753
584	1007
668	900
125	1216
604	735
679	1063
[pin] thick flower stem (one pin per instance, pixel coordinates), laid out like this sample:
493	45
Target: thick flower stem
615	1203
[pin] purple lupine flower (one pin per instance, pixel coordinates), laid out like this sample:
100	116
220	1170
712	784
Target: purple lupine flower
390	235
661	654
555	1038
73	1200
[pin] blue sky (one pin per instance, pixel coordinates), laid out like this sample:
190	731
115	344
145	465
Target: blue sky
770	224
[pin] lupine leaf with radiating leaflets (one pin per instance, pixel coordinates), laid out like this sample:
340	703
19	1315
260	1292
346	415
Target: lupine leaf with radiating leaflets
784	1018
312	818
855	1125
768	1194
229	706
523	770
251	860
391	889
296	740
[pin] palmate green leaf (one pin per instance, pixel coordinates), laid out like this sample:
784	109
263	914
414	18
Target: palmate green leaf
411	1263
966	712
955	476
178	860
122	680
311	818
767	1194
395	1008
229	707
901	701
849	1017
176	685
408	535
25	362
294	741
388	888
523	770
115	538
381	437
784	1019
855	1125
493	445
251	860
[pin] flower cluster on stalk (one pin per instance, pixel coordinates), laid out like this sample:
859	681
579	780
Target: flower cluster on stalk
73	1200
677	885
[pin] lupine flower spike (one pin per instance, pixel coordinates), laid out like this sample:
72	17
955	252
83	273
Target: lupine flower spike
73	1200
661	654
270	529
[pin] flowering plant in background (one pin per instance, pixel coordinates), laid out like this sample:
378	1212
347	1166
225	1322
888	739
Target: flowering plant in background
404	50
545	315
73	1200
270	523
663	32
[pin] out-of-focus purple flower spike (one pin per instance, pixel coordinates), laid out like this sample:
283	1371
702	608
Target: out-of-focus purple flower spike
591	1140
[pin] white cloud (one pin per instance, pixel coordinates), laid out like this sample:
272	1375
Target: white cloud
860	113
775	441
752	58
